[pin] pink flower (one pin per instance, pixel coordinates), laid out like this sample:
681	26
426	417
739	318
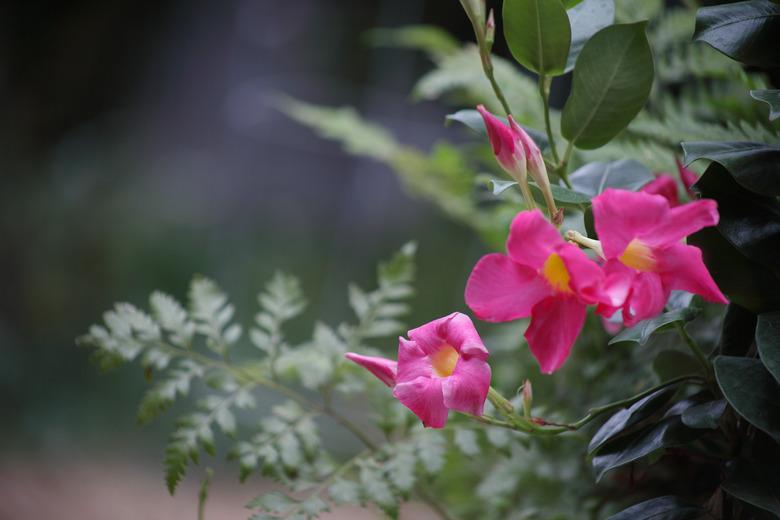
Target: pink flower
543	277
642	240
518	155
687	176
442	366
664	185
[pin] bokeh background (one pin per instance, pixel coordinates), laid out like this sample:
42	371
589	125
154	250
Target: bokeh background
139	145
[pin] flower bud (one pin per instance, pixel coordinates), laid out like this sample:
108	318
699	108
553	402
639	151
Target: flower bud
536	168
490	29
509	151
528	398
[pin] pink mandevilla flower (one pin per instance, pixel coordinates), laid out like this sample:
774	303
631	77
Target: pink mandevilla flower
646	258
664	185
442	366
687	176
544	277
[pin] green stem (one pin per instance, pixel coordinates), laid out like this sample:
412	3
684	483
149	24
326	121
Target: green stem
496	88
544	91
563	168
539	426
697	352
530	203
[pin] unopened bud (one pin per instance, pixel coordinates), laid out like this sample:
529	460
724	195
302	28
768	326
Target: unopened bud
490	29
528	398
535	167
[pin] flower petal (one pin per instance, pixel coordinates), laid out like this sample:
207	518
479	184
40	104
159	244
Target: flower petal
531	239
586	278
461	334
382	368
509	153
423	396
620	216
618	279
665	186
467	388
412	362
555	324
647	299
687	176
682	268
682	221
499	289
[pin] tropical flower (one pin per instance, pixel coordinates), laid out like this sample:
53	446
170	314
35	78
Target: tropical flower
519	156
542	276
642	241
442	366
664	185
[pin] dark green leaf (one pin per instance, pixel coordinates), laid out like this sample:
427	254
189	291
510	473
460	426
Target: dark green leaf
564	196
739	329
641	332
612	80
586	19
756	166
473	120
630	416
768	342
661	508
745	282
744	31
751	390
500	186
749	221
704	415
756	482
771	98
595	177
538	34
623	450
669	364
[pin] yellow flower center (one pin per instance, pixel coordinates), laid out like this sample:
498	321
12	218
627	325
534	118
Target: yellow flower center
444	360
556	274
639	256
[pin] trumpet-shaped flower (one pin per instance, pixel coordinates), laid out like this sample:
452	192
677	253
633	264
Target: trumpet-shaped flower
543	277
642	241
442	366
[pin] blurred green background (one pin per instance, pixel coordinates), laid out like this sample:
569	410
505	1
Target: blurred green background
139	146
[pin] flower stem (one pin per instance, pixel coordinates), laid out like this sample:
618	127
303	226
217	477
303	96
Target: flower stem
697	352
544	91
579	238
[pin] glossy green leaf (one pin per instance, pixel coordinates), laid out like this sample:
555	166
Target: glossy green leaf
771	98
538	34
595	177
612	80
768	342
751	391
661	508
641	332
749	221
563	196
756	166
669	364
586	19
742	280
628	417
744	31
623	450
756	481
704	415
473	120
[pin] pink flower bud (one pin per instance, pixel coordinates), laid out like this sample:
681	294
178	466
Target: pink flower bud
507	148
